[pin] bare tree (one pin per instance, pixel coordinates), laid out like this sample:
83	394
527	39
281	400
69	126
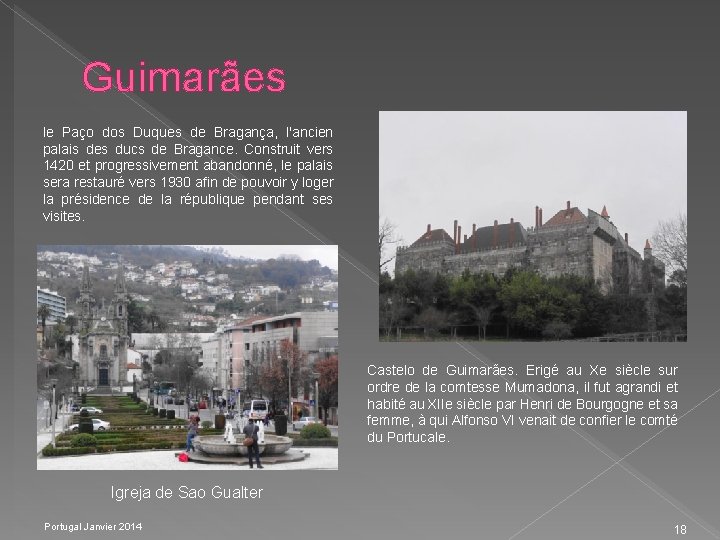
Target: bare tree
387	235
432	320
670	246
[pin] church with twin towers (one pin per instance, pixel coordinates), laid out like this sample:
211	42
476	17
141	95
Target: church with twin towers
103	339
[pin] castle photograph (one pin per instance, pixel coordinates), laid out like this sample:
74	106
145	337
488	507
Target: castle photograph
533	226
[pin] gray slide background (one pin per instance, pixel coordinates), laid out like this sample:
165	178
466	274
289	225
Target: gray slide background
342	66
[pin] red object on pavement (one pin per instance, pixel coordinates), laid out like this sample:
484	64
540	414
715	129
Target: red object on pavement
183	457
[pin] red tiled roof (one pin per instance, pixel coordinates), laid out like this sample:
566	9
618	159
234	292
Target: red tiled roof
436	235
490	237
566	217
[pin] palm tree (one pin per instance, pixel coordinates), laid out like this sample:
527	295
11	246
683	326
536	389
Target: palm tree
43	313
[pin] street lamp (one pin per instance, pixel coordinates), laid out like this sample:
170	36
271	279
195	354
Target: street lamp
316	376
53	411
290	407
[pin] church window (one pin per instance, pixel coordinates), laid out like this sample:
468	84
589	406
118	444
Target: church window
103	350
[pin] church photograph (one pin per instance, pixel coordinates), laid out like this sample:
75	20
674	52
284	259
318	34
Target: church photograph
141	346
533	226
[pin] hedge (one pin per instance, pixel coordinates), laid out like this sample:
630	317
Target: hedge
331	443
50	451
314	431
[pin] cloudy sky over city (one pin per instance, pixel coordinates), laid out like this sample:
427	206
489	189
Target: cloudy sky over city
327	255
476	167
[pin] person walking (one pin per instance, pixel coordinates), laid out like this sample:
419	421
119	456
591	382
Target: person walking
192	432
251	430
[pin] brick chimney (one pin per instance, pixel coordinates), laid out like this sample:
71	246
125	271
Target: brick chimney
457	248
511	239
626	239
568	205
540	218
495	233
428	228
537	214
455	232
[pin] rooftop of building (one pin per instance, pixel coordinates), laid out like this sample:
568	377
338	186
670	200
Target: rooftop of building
431	236
567	216
499	234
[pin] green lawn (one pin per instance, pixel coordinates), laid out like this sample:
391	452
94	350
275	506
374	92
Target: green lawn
132	428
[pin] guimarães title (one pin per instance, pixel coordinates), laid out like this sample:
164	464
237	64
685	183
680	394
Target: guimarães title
100	76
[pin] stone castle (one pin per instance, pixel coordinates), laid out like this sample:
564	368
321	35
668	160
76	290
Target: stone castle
570	242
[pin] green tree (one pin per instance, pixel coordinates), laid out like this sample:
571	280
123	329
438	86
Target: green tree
43	312
476	295
71	321
531	302
672	309
155	321
136	317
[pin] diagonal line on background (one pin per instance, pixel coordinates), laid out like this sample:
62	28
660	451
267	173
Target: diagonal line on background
342	254
616	461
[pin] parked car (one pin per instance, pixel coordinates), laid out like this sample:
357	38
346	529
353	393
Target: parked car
74	407
202	405
193	406
91	410
304	421
98	425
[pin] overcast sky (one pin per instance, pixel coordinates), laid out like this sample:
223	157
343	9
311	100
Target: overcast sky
476	167
327	255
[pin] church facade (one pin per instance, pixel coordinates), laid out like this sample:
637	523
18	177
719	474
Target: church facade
570	242
103	338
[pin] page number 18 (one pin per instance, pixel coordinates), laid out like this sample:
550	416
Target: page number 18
681	529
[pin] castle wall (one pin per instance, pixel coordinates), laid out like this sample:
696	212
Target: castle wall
427	257
627	269
602	262
555	251
495	261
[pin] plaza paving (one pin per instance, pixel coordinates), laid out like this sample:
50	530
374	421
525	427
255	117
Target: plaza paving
319	458
165	460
